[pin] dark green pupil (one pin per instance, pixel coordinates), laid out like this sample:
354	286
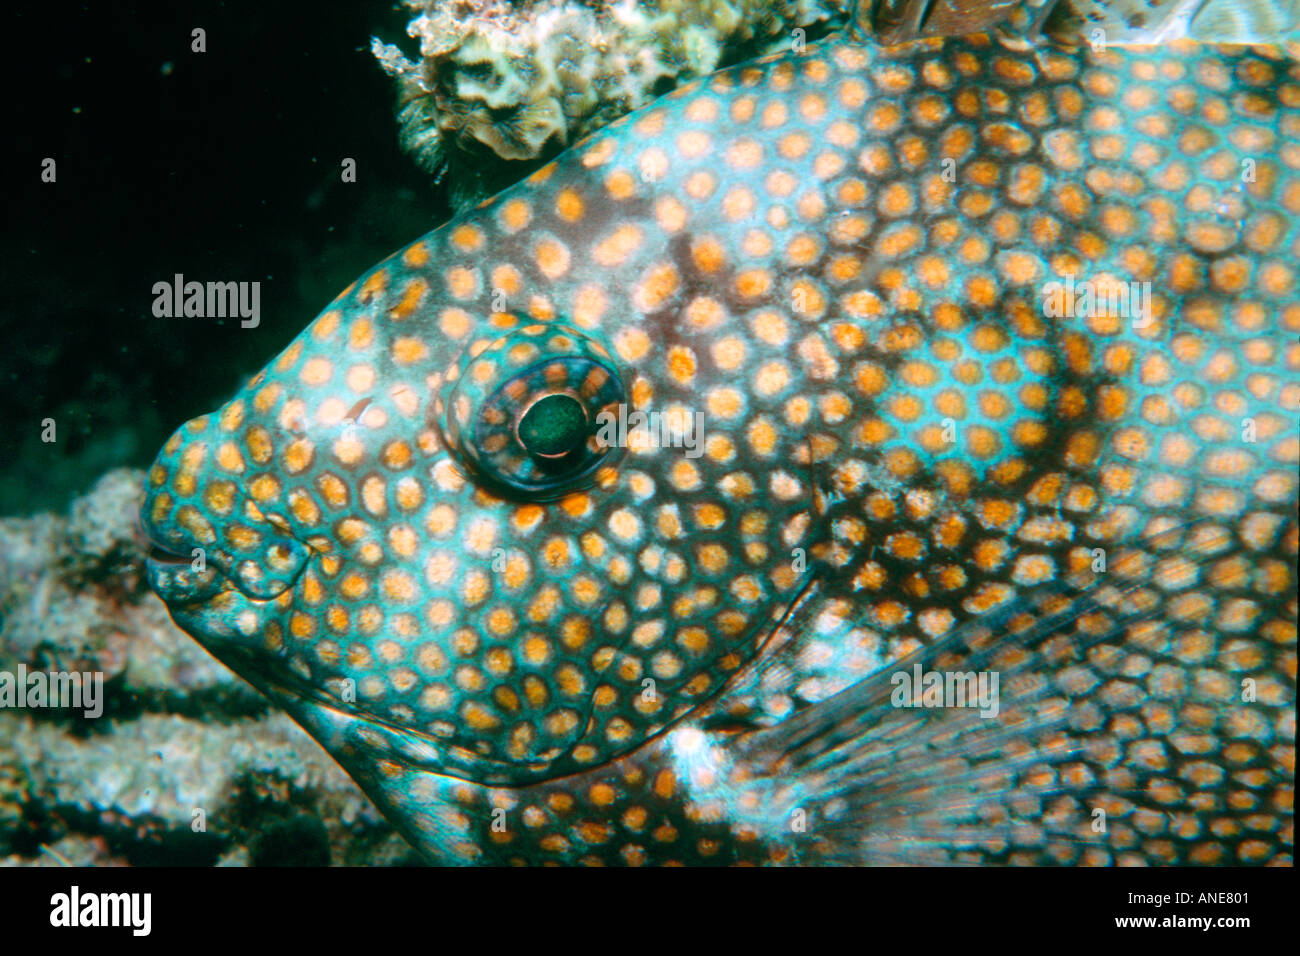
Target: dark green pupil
553	426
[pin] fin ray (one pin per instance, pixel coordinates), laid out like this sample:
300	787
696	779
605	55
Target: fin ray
880	782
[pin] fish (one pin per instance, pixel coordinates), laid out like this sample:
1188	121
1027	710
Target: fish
984	550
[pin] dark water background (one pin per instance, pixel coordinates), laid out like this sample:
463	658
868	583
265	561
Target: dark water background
223	166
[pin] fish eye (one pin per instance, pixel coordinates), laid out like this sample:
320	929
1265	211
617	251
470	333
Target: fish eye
553	426
522	414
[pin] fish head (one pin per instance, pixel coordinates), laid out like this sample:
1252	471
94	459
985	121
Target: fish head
527	493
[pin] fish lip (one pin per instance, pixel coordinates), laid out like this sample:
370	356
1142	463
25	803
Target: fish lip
173	578
170	560
160	554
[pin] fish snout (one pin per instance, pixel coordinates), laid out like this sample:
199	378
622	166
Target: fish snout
206	532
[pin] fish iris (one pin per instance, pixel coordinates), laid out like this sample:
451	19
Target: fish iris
553	426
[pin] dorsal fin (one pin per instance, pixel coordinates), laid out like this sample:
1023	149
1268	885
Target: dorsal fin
897	21
1120	22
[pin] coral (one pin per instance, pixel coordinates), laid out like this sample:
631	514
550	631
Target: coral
14	794
140	784
179	731
101	540
72	850
73	596
499	86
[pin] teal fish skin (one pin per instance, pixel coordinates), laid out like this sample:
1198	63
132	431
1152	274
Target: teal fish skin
840	258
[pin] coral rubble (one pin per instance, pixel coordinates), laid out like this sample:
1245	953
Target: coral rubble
498	86
187	764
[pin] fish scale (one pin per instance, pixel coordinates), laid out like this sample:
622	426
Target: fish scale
838	256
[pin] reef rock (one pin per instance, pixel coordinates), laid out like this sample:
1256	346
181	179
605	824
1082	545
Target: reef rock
186	764
500	86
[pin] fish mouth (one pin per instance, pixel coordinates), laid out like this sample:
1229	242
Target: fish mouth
185	575
191	556
160	555
179	578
